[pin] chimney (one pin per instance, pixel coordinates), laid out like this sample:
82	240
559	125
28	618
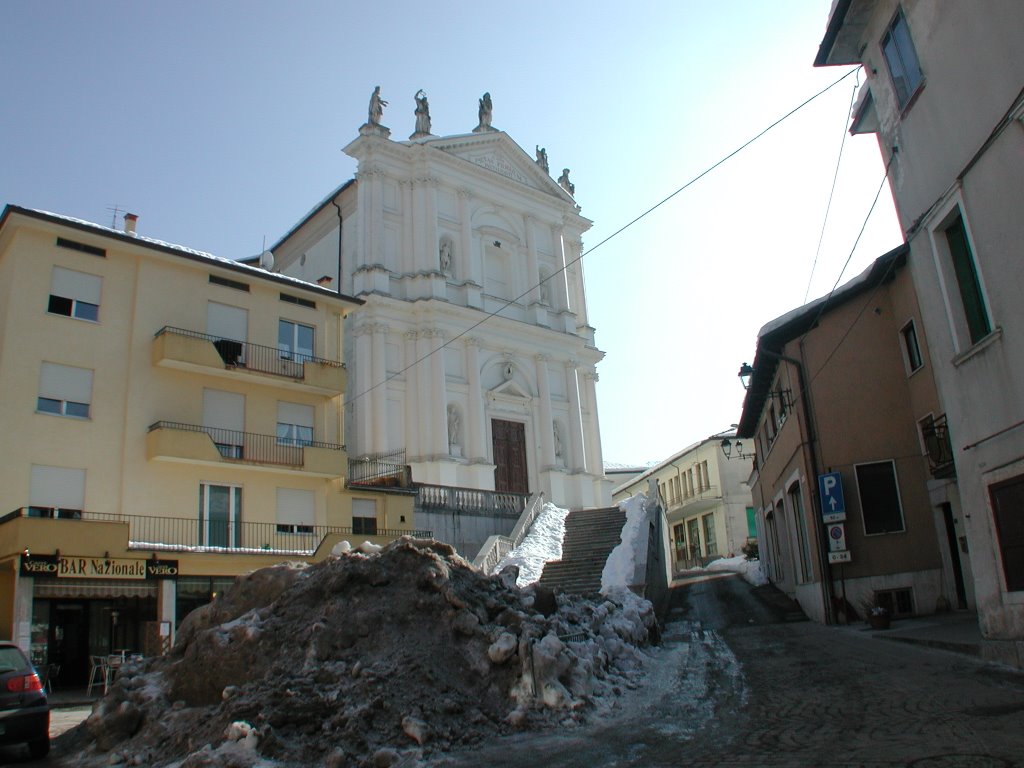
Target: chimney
129	223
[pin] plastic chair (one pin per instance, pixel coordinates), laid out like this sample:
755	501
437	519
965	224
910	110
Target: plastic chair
97	666
52	670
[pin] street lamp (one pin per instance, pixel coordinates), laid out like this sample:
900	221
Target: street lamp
745	373
728	446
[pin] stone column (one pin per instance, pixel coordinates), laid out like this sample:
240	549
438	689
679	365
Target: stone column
424	393
577	460
591	427
468	268
375	217
431	225
559	291
421	247
546	427
413	438
379	394
532	271
475	448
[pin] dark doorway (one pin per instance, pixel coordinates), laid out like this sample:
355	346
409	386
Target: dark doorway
69	640
509	442
954	555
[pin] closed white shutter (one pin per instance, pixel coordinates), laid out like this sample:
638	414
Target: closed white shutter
294	413
295	506
226	322
57	487
76	285
62	382
364	508
223	410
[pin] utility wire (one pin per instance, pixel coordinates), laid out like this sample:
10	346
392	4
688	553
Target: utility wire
614	234
835	177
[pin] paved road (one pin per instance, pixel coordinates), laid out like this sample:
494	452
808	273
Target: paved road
60	720
734	685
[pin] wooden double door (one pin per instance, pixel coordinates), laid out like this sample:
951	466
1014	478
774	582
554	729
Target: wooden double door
508	438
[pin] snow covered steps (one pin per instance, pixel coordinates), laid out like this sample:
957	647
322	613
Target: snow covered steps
590	536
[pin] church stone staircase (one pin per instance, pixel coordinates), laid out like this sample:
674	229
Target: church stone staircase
590	536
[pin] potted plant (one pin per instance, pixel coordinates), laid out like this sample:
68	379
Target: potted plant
877	616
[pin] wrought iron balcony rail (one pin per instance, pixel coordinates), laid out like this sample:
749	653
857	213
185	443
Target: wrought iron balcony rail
169	534
380	470
248	447
256	357
470	500
939	447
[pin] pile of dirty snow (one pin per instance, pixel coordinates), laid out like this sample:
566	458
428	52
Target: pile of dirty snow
367	658
751	570
619	569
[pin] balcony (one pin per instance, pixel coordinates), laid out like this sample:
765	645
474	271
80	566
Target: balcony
380	470
168	534
470	500
940	450
203	353
699	501
191	443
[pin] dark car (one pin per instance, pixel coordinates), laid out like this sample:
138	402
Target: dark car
24	710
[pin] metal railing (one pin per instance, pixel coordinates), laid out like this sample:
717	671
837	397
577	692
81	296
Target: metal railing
196	534
249	447
939	446
380	470
256	357
496	547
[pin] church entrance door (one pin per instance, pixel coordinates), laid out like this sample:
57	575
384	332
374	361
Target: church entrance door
509	442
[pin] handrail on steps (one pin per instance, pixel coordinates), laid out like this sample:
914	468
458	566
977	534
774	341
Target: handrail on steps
496	547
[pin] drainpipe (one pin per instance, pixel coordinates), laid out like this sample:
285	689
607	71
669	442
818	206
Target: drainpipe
819	525
335	204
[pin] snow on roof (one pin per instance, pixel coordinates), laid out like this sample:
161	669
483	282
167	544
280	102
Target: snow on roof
192	253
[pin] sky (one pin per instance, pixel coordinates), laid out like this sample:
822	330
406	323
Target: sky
221	124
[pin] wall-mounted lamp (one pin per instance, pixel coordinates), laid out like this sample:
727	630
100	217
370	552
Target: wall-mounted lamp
746	371
731	447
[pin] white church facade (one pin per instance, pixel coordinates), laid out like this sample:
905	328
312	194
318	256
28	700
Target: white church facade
473	352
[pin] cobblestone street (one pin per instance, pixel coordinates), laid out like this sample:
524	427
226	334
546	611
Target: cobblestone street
733	685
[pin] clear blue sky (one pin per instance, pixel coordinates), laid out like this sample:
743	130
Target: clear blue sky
221	124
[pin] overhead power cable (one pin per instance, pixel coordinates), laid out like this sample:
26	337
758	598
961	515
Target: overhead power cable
614	234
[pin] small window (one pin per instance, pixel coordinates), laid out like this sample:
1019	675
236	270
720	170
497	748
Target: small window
74	294
64	390
879	498
294	424
297	300
294	341
364	517
911	349
901	57
228	283
966	273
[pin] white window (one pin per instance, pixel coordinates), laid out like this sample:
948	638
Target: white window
224	421
220	515
364	516
230	327
901	57
75	294
296	510
294	424
294	341
56	492
64	390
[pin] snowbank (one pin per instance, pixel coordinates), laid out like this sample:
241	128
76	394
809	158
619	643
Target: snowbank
620	567
750	570
542	543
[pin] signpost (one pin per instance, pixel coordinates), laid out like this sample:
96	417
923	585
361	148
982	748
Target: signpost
833	505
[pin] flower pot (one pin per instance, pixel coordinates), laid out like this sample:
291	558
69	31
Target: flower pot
879	620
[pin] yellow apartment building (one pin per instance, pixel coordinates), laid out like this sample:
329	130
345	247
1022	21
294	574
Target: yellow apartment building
169	420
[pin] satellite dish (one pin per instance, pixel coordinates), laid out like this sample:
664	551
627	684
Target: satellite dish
267	260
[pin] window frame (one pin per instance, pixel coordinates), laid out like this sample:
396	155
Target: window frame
898	497
234	521
292	351
911	352
905	53
73	304
55	406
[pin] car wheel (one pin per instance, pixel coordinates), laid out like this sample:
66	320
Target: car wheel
39	748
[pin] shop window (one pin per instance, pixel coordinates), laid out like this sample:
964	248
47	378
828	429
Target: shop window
879	498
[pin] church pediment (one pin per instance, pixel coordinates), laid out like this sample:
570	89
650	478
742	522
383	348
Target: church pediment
509	390
497	153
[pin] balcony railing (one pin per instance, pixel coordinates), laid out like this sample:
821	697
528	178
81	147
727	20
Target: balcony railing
940	449
380	470
256	357
251	448
470	500
168	534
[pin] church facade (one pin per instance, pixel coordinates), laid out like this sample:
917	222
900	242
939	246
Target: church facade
473	352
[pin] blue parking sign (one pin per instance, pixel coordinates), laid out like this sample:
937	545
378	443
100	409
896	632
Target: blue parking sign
833	506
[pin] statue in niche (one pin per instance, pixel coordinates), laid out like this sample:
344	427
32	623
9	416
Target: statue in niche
542	158
453	425
545	287
377	105
445	256
556	433
485	112
564	182
422	115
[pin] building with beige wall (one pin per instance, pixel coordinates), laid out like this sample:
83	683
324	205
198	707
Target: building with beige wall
843	388
706	500
170	420
943	94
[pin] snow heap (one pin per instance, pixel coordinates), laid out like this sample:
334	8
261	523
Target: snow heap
751	570
541	544
363	659
620	567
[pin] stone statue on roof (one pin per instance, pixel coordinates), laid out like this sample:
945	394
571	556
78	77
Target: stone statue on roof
485	112
374	115
422	115
542	158
564	182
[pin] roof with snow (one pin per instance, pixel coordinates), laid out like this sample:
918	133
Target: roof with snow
774	335
171	248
